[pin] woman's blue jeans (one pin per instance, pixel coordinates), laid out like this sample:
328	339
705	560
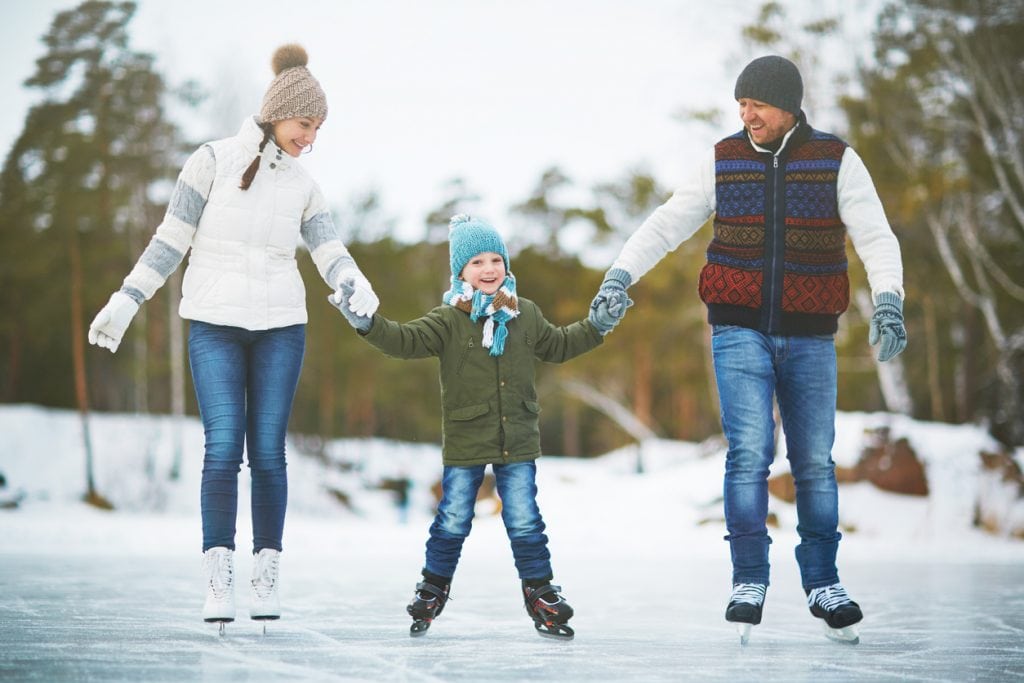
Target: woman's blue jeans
245	383
517	488
751	368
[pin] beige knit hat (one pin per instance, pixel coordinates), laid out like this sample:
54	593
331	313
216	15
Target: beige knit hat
294	91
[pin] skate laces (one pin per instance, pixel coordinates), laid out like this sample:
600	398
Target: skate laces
750	593
830	598
220	570
264	575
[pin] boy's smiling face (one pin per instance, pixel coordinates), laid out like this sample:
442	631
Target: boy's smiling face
485	271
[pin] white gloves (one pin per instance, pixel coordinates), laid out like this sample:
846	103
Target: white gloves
362	301
109	325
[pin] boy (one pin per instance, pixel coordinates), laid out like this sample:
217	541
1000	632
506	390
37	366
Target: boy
486	340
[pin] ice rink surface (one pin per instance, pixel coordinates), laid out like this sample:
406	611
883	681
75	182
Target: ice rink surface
87	595
107	613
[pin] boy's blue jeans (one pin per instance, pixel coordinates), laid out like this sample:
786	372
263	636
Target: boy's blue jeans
517	488
751	367
245	383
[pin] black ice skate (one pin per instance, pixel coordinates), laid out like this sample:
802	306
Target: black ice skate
838	612
426	605
744	609
549	611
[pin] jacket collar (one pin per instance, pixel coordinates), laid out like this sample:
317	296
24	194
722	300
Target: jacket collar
251	135
795	136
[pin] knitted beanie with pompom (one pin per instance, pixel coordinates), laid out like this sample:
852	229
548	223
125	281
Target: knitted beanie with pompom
467	237
294	91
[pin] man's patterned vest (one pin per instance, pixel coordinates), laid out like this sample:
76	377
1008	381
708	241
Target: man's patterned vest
777	262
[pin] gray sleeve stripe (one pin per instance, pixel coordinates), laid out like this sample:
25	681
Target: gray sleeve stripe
319	229
134	293
339	265
186	204
161	257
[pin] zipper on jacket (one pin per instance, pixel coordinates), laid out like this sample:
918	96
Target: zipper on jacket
774	246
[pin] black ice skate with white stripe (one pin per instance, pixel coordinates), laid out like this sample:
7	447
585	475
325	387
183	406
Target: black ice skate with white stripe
744	608
837	611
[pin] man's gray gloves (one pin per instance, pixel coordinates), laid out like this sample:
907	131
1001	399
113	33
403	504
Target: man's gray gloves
887	326
609	306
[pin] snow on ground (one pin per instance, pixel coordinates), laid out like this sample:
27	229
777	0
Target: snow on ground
95	595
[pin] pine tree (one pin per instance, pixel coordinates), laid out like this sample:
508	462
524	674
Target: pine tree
73	190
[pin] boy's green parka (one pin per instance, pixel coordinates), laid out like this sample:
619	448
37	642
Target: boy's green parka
489	403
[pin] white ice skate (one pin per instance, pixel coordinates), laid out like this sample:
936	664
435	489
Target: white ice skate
219	570
264	603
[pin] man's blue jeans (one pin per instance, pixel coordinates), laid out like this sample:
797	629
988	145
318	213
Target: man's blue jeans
517	488
800	372
245	383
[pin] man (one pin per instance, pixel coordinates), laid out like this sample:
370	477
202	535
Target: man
784	197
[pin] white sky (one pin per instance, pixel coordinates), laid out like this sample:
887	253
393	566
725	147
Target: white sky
419	93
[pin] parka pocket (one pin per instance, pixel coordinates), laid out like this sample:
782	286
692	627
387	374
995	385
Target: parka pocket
532	406
465	354
468	412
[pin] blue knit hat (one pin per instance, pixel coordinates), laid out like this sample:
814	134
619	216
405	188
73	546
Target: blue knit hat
468	237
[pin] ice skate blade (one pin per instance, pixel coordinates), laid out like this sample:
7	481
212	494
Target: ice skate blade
744	631
221	622
554	631
847	634
263	619
419	628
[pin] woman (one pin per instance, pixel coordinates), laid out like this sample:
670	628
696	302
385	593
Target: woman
240	205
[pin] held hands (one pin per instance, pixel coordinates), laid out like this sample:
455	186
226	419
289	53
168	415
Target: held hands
109	325
343	301
887	326
361	299
609	306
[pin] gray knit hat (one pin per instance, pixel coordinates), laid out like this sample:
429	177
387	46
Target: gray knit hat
773	80
294	91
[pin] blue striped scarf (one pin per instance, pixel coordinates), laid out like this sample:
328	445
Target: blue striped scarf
496	309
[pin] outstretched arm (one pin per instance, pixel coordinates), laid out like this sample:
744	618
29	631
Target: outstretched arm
332	257
670	225
164	253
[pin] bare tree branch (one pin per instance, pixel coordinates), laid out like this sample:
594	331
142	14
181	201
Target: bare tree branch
619	413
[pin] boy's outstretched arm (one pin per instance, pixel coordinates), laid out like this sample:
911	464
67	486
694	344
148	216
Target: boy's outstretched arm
420	338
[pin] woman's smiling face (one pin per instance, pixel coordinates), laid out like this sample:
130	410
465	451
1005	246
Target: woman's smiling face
296	134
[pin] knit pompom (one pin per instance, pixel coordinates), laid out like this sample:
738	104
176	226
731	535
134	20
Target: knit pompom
289	56
459	218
